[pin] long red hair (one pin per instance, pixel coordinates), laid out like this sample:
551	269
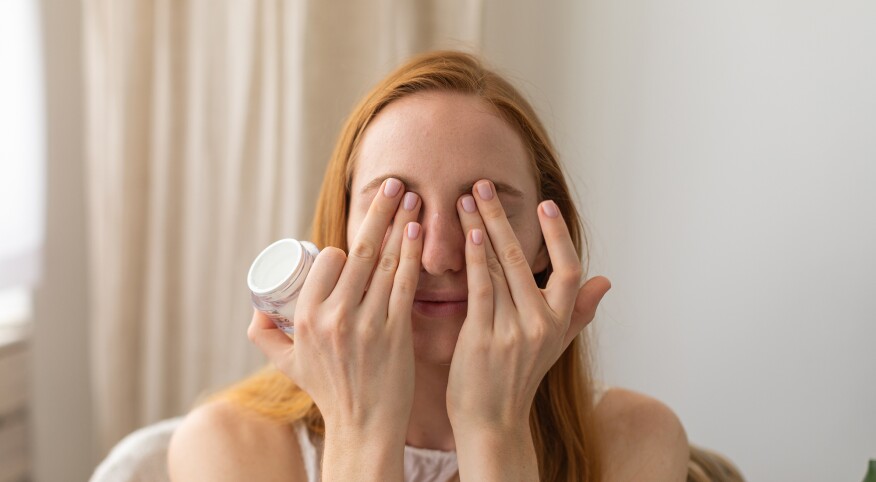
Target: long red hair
561	419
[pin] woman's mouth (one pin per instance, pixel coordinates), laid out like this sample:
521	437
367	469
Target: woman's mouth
438	309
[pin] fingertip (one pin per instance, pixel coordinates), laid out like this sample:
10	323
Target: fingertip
267	336
413	230
590	294
477	236
410	201
599	283
466	204
391	187
606	289
550	209
412	245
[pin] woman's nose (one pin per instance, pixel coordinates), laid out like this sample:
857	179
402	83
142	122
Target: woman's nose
443	243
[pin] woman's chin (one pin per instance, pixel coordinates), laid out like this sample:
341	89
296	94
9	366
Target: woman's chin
435	338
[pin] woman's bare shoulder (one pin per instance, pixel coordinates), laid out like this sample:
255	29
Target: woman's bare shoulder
219	441
643	437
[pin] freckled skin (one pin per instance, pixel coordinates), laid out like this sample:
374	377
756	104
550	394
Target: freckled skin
438	142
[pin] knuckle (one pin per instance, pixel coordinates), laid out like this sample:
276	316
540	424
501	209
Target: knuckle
537	333
484	291
364	250
339	330
513	255
493	211
494	266
389	262
512	337
302	328
340	312
410	254
367	331
384	207
405	286
303	315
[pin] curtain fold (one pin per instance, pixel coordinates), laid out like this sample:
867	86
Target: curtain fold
208	126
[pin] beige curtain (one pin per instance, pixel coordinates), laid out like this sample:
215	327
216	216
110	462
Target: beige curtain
208	127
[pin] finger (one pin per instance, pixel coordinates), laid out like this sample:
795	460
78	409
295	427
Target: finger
508	251
407	276
480	282
270	340
381	285
588	299
322	277
471	219
366	247
565	279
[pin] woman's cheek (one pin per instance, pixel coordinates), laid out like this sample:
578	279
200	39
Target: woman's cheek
530	239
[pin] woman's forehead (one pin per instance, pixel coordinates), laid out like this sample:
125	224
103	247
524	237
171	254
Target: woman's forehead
445	138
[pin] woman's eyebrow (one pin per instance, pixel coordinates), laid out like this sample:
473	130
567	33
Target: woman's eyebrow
463	188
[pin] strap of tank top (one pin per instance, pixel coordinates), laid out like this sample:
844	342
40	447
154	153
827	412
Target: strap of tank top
308	451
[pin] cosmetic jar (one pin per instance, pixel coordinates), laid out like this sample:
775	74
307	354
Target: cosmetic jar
276	277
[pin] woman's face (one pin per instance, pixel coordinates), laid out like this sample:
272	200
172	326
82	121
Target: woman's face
439	144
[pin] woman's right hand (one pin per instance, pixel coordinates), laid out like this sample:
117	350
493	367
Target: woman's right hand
353	349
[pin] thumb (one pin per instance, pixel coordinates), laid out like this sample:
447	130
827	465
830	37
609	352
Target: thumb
589	296
264	334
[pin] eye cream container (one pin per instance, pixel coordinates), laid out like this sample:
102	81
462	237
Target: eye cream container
276	277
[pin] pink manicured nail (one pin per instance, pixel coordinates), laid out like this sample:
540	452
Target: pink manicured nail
413	230
550	208
468	204
477	236
485	191
392	187
410	201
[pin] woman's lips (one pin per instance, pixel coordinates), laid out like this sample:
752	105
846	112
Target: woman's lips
437	309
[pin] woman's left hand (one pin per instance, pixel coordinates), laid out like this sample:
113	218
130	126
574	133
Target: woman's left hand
514	331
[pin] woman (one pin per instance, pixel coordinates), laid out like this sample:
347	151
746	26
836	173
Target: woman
448	343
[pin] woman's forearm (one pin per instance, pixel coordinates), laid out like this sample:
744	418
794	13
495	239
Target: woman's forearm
359	455
497	455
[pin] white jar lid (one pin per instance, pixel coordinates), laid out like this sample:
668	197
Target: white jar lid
274	266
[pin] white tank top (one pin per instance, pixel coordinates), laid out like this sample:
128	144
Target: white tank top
421	465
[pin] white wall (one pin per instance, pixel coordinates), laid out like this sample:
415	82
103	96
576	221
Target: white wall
725	156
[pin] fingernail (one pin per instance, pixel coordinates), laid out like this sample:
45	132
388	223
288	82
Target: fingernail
550	208
413	230
392	187
485	191
477	236
468	204
410	201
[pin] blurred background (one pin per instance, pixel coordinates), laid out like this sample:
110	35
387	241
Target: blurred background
723	155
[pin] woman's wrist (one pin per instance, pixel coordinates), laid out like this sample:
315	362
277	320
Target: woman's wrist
495	420
353	453
496	453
